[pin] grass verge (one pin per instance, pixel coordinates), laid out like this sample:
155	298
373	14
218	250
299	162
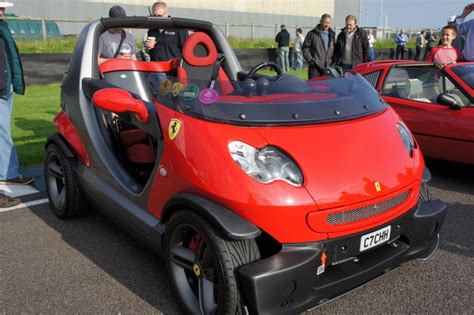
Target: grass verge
32	121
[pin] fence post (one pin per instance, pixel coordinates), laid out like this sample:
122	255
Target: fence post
252	31
45	31
276	29
226	30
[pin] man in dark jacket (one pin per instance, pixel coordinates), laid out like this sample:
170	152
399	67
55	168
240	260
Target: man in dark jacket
318	47
352	45
11	80
283	40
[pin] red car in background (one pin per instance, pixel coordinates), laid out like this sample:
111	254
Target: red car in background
436	103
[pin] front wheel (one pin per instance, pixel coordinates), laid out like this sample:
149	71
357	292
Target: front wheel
201	265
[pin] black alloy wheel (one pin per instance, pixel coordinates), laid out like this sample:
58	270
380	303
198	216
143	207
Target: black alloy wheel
201	265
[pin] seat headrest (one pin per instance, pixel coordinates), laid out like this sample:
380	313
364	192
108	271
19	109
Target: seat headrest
189	50
413	87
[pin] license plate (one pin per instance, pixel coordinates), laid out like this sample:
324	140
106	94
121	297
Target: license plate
373	239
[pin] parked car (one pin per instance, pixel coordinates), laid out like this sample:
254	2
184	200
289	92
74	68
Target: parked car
263	194
436	103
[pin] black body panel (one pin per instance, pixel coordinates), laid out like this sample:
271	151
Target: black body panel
287	283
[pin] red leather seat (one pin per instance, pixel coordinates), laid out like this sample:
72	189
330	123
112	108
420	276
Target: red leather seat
137	145
198	67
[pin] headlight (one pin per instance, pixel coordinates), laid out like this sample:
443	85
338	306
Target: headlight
266	164
407	138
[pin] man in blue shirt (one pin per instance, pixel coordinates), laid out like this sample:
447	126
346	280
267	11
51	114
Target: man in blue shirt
401	41
467	28
283	40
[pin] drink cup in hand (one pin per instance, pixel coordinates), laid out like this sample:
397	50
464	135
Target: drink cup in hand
150	42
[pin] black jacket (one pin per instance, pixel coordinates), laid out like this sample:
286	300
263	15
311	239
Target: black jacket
169	44
314	51
283	38
360	47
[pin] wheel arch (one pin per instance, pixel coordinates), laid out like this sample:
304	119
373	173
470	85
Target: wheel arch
61	143
225	220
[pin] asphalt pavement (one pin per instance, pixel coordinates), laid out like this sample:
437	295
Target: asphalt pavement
88	265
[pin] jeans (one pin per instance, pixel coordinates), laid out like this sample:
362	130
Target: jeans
283	60
419	53
297	60
372	54
8	158
400	52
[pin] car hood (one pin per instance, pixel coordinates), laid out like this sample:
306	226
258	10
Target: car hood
349	162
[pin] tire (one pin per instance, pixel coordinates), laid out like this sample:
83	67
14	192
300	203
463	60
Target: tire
201	265
424	194
65	197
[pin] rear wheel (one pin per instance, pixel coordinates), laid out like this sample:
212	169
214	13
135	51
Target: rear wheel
202	264
65	196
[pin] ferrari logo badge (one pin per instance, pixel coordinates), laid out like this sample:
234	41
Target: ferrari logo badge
197	270
173	128
377	186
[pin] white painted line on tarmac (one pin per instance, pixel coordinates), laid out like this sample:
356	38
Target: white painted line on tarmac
18	190
26	204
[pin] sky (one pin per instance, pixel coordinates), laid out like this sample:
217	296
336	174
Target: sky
411	14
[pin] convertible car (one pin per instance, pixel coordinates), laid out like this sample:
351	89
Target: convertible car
263	194
436	103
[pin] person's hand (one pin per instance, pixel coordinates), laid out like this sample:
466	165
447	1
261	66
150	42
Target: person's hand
467	10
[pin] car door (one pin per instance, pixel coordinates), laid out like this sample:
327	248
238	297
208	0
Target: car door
442	132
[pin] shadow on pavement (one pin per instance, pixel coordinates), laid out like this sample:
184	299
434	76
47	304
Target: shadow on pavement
119	255
451	176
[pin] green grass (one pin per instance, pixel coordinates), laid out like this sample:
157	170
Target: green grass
32	121
54	45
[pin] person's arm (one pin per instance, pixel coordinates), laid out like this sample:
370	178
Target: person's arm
365	48
306	47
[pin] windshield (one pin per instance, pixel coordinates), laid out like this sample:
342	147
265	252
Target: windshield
280	100
466	73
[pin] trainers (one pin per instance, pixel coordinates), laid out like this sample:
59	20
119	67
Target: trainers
19	180
7	202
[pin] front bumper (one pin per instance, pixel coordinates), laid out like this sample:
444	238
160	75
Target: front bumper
290	281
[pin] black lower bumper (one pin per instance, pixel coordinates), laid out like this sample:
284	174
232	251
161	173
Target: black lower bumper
293	280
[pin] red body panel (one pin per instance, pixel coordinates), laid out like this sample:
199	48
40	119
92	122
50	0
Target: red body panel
441	132
68	131
118	64
338	171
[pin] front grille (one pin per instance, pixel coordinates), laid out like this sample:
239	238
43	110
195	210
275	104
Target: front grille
354	215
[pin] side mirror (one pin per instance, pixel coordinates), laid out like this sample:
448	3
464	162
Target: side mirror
120	101
448	100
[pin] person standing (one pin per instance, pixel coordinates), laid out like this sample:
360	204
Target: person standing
283	50
114	40
11	81
371	39
318	47
297	50
352	45
430	42
164	44
420	43
401	40
466	28
445	53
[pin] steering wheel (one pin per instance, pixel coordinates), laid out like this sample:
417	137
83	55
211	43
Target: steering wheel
262	65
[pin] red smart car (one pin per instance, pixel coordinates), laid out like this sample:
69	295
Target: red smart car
436	103
263	194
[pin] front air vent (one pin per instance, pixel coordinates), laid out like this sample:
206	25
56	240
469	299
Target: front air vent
354	215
